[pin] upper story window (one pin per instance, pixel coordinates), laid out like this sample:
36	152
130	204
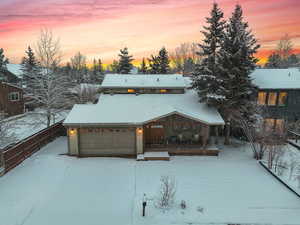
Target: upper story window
14	96
272	98
131	91
262	96
282	98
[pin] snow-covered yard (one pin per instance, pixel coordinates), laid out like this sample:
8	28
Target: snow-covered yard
21	127
50	188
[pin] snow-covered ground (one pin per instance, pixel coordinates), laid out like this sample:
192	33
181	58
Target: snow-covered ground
290	172
29	124
51	188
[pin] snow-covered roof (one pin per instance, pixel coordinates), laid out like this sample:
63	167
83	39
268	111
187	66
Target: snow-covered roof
15	69
139	109
143	81
277	78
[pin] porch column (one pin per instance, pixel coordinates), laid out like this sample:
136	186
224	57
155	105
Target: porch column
216	134
73	141
139	140
205	135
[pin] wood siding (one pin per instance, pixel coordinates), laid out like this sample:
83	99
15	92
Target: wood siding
10	107
290	111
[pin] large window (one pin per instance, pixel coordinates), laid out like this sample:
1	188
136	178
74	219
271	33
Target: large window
272	98
279	125
282	98
262	96
274	124
14	96
269	124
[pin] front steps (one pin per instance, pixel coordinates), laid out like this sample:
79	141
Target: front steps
153	156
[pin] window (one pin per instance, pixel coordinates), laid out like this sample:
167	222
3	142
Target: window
282	98
272	98
262	96
131	91
279	125
269	124
14	96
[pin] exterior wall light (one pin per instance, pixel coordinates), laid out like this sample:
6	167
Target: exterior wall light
72	131
140	130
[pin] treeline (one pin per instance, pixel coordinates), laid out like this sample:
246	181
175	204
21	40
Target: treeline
283	56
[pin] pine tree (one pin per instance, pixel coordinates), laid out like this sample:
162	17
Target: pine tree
274	61
154	65
3	62
114	67
29	67
143	69
164	62
237	62
125	65
206	80
97	71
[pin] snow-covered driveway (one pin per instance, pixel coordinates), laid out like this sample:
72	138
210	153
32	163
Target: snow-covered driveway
50	188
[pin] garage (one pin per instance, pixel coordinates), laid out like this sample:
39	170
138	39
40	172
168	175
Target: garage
107	141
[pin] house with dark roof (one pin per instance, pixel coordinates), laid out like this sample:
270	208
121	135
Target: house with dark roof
279	94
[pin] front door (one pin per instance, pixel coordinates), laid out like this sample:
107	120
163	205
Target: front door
155	134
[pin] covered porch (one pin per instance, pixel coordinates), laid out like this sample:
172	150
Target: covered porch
181	135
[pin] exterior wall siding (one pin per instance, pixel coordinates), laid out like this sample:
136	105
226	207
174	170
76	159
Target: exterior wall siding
290	112
9	107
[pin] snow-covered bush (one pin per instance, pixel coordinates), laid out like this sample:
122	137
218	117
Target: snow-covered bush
166	196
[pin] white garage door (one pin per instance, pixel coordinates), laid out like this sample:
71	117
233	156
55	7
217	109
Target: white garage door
106	141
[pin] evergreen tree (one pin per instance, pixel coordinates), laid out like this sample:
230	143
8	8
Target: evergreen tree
97	71
274	61
164	62
206	80
3	62
29	67
143	68
293	61
237	62
154	65
125	65
114	67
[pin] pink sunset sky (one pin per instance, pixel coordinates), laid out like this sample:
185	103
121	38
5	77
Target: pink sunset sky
99	28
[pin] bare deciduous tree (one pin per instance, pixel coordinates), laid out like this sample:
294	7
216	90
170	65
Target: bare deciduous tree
284	49
79	68
185	56
7	135
50	87
167	192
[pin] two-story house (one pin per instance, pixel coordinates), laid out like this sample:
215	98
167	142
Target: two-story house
279	94
11	100
140	114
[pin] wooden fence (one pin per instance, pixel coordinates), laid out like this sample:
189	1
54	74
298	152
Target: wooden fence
13	155
294	138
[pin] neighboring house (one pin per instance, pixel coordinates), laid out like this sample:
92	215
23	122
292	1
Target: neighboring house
143	113
279	94
13	74
11	100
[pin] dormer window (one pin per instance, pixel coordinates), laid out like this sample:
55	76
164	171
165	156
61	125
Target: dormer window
131	91
163	91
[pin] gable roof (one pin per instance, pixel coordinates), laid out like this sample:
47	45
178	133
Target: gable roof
143	81
277	78
15	69
140	109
